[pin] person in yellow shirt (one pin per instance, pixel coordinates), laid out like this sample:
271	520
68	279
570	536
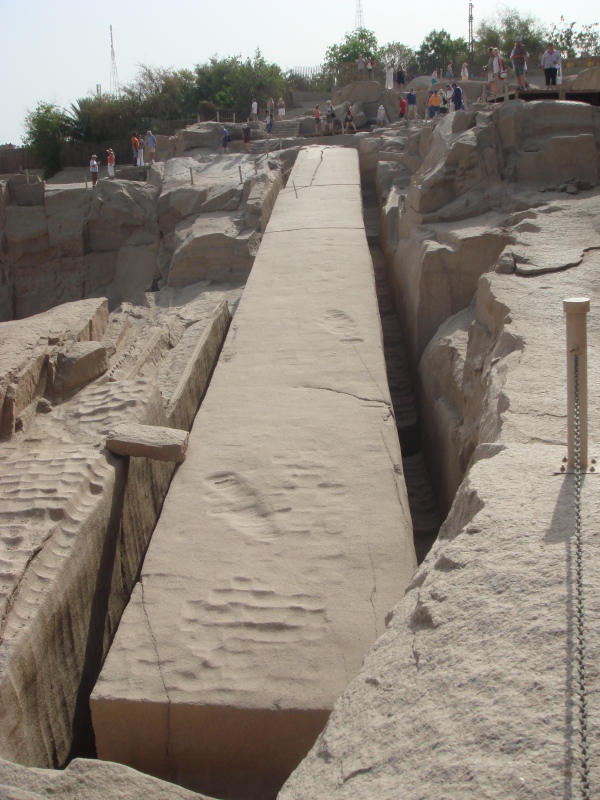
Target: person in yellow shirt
434	102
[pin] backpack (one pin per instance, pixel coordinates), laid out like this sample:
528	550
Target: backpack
228	138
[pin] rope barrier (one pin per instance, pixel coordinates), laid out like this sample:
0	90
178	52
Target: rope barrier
580	646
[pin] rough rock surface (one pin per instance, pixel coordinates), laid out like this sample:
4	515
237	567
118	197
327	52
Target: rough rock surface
85	780
76	520
471	691
285	536
62	242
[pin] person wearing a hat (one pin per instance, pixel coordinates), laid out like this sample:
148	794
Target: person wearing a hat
519	58
151	144
94	169
110	161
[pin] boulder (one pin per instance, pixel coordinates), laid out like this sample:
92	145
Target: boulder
77	365
587	80
66	211
148	441
85	779
26	190
120	212
211	247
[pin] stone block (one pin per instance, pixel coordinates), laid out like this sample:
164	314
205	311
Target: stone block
26	231
294	473
210	247
148	441
26	192
77	365
66	210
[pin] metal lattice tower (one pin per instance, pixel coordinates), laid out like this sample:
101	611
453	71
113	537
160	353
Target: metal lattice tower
359	20
115	89
471	31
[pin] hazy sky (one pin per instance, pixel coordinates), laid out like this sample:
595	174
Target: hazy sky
58	50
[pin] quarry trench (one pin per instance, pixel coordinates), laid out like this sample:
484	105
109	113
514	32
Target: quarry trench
424	507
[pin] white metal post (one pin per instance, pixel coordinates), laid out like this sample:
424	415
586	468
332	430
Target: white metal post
576	309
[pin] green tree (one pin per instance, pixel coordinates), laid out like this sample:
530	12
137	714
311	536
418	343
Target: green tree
45	131
396	52
572	42
233	82
500	31
438	48
356	43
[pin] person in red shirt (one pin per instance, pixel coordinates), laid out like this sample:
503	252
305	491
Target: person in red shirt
402	106
135	143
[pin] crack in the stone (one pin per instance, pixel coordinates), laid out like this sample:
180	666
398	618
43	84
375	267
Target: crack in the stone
162	678
375	400
317	167
374	589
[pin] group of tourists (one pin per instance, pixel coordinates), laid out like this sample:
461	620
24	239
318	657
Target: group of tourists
497	71
138	146
269	111
440	101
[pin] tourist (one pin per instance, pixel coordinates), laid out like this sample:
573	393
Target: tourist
329	115
94	169
400	78
140	158
360	67
281	108
246	134
551	64
411	102
135	143
110	161
490	71
444	103
389	75
464	72
402	106
449	72
318	121
151	145
499	70
254	112
382	119
349	119
270	106
370	67
224	139
434	77
269	122
449	94
519	57
457	99
434	102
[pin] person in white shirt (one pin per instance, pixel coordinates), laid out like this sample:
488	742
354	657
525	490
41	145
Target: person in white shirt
94	169
254	113
551	65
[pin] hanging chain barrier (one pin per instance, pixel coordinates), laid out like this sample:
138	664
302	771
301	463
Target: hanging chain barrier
580	643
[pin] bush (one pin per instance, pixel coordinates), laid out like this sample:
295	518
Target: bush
46	129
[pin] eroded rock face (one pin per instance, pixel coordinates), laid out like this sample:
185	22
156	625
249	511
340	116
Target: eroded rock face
85	780
470	692
60	243
76	518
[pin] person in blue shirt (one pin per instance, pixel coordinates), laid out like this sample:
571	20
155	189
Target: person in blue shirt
224	140
411	100
151	145
457	98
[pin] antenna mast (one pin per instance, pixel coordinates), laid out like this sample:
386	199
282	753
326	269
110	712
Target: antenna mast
115	89
359	21
471	32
